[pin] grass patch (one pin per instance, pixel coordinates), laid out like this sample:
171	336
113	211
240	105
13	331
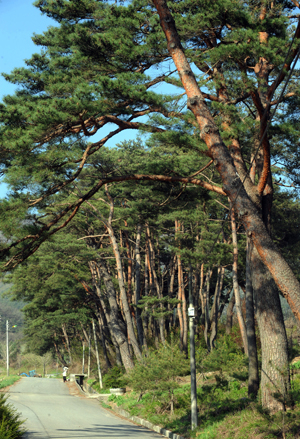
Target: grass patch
8	380
92	382
106	406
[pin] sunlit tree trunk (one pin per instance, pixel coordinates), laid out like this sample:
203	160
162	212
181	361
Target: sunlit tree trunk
236	288
138	285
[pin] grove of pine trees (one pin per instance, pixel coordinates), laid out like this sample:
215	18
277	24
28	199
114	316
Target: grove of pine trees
192	210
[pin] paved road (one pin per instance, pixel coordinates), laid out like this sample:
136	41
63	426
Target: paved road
52	412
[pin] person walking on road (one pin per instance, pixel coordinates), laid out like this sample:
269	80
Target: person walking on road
65	370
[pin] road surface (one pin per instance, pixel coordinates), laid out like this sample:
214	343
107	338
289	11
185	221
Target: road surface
51	412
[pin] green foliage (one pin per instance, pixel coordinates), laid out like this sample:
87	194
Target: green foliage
295	366
226	356
114	378
158	370
10	422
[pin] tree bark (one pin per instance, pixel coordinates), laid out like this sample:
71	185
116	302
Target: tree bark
253	376
123	295
229	314
138	285
58	353
161	320
215	308
87	339
275	377
67	341
182	308
100	325
206	295
113	320
236	288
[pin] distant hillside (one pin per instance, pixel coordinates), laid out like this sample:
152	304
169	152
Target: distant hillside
9	310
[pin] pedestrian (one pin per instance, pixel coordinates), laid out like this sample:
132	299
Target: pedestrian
65	370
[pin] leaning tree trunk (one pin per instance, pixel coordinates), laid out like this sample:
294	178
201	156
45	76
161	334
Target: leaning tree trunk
123	294
99	269
108	225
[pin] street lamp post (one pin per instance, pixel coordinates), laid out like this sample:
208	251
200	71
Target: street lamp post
7	350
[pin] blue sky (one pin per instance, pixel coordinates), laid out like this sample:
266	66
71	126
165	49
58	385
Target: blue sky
19	20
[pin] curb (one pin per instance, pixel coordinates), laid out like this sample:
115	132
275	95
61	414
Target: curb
156	428
136	419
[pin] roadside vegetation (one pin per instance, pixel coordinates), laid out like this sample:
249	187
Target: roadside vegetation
158	390
6	381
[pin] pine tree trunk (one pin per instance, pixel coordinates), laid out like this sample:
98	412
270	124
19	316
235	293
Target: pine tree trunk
100	324
67	341
172	320
202	316
123	296
129	272
236	288
229	314
138	285
275	369
215	309
206	294
58	353
87	338
181	307
146	316
161	320
253	376
112	315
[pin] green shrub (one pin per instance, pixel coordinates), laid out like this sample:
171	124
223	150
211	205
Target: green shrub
157	373
115	378
295	366
10	423
227	356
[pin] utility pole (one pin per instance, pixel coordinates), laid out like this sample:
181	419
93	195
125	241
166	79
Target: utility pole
7	350
83	352
191	314
89	357
97	355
